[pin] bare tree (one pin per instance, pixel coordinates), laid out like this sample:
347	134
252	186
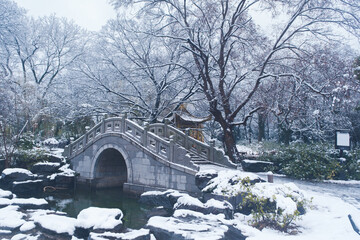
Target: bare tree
231	56
140	74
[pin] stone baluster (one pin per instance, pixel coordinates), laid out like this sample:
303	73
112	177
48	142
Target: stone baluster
123	129
186	139
102	126
212	150
146	129
171	148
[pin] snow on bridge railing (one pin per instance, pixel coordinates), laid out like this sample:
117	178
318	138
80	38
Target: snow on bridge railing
158	138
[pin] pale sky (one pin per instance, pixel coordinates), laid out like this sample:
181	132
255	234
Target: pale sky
89	14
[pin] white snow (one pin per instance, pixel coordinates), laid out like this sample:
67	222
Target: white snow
11	218
65	171
47	164
51	141
245	149
217	204
220	185
327	220
27	226
99	218
22	236
125	236
256	161
9	171
5	201
187	200
32	201
56	223
5	194
206	227
28	181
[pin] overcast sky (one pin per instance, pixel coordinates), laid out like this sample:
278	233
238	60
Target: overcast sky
89	14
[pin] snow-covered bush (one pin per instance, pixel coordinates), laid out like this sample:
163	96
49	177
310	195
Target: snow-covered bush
303	161
271	205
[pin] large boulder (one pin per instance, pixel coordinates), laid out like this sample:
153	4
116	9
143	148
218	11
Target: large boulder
10	175
11	218
28	188
203	177
255	166
167	199
212	206
45	168
55	226
6	194
186	224
30	203
94	219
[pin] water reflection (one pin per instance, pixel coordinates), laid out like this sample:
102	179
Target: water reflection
134	213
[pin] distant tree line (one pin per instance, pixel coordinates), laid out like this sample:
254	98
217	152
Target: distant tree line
297	81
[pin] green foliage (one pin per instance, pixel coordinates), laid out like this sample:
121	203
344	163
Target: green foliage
264	210
313	161
27	158
27	153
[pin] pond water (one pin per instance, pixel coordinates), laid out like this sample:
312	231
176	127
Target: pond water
135	214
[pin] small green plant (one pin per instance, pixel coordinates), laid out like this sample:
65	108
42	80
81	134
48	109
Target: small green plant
270	211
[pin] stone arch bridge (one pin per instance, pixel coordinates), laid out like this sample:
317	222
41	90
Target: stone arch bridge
119	152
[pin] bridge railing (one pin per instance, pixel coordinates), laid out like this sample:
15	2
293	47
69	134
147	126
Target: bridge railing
158	138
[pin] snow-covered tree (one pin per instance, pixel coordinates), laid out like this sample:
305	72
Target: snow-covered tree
232	57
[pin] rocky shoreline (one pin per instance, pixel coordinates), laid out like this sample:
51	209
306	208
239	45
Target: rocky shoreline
175	215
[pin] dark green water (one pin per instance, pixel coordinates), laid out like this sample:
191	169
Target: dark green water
135	214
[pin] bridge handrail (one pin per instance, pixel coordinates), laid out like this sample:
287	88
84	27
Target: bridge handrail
158	138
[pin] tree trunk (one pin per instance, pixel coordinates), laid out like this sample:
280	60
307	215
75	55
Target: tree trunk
230	145
261	125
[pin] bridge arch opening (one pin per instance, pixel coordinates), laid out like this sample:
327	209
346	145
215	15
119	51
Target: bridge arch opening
110	169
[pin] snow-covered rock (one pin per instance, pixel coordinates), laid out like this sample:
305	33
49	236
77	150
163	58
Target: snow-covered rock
10	175
167	199
11	218
45	168
27	188
27	226
186	224
203	177
99	219
141	234
227	183
56	224
30	203
255	166
212	206
22	236
6	194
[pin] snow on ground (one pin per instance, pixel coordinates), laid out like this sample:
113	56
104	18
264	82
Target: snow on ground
326	219
345	182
